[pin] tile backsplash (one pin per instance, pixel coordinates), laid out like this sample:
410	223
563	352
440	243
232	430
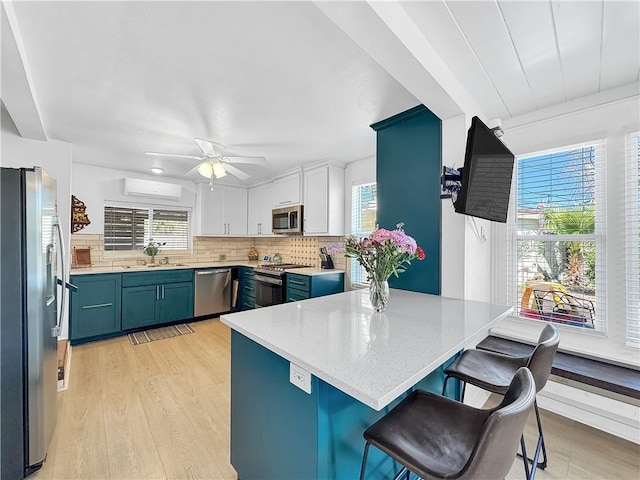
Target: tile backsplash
292	249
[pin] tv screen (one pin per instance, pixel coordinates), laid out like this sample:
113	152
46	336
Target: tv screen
486	175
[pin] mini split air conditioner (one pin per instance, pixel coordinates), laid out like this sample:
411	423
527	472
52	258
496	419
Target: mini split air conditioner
148	188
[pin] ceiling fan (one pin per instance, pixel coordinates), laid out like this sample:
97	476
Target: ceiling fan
213	161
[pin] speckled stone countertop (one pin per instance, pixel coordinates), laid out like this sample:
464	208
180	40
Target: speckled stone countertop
313	271
310	271
373	357
146	268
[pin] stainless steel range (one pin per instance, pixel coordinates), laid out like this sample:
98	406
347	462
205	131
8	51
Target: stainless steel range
270	283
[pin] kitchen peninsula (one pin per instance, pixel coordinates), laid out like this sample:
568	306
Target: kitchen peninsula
356	363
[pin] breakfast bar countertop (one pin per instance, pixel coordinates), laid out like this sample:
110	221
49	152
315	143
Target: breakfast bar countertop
373	357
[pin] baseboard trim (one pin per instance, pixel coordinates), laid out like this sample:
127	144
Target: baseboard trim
603	413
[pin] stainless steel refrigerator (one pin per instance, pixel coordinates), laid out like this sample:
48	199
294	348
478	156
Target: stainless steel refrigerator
31	252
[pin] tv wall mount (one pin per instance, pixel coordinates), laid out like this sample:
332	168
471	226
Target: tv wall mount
451	178
450	182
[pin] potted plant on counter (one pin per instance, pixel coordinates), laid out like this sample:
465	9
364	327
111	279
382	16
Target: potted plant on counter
152	249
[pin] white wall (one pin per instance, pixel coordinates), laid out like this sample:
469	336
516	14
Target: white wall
53	156
452	277
97	185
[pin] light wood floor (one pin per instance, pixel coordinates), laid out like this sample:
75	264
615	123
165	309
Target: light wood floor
161	411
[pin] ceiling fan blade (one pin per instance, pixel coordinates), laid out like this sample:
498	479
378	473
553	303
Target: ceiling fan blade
246	160
193	171
235	171
156	154
209	148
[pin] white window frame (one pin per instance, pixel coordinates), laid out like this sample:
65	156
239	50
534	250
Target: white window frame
632	243
151	208
358	275
598	237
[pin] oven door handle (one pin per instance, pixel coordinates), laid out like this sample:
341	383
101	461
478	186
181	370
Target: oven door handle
265	279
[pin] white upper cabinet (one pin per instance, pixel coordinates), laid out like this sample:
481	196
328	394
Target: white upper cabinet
260	206
223	210
324	200
287	190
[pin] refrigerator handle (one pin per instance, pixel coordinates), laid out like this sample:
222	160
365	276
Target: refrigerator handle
57	330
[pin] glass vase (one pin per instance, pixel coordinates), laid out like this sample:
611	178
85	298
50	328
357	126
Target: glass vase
379	294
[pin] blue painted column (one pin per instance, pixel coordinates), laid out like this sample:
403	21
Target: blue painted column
408	160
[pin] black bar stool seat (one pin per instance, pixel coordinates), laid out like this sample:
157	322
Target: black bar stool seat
436	437
490	371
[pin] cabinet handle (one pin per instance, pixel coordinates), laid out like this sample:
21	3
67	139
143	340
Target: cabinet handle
249	288
157	292
163	292
286	201
296	282
98	305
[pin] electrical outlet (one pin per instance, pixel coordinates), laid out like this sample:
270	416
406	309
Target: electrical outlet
300	377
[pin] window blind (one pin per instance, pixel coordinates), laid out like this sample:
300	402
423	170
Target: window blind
131	228
632	238
124	228
363	222
170	227
556	264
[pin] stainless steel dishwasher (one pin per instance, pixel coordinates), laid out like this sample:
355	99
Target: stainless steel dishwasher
213	291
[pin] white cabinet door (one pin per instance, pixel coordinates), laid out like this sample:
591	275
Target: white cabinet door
316	200
213	219
324	200
286	190
224	210
260	206
236	211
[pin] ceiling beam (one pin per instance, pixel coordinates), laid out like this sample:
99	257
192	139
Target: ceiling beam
386	32
16	87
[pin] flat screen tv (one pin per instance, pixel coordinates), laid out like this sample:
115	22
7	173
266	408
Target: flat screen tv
486	175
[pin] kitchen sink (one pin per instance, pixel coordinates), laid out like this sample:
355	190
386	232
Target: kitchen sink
144	267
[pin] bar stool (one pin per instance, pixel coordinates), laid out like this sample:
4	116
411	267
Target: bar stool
493	372
435	437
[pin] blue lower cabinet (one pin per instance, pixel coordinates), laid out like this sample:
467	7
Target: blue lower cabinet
301	287
279	431
153	298
95	307
247	293
155	304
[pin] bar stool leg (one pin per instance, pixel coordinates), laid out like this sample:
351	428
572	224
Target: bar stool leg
364	461
540	447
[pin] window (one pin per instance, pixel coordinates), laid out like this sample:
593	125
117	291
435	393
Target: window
131	228
632	240
557	232
363	222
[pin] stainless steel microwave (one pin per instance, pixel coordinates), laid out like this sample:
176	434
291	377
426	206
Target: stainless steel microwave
287	219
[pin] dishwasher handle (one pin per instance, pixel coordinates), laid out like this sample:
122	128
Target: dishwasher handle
212	272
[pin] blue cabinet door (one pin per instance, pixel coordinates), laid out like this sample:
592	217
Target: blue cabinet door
176	302
95	307
139	306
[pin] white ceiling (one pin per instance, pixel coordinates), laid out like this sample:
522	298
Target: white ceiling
299	82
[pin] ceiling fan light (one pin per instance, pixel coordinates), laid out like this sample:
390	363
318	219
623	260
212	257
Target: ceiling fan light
218	170
205	169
